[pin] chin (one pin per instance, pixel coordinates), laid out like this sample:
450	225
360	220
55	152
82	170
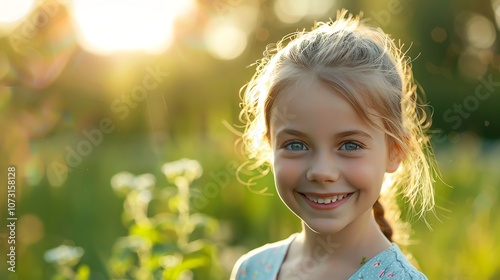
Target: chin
324	226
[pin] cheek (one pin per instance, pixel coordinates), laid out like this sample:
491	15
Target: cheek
364	174
286	173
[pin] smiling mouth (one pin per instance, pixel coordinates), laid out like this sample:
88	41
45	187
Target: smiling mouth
326	200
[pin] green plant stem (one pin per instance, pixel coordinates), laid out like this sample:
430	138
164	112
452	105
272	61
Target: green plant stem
182	184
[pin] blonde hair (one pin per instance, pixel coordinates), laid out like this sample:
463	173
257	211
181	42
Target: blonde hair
369	70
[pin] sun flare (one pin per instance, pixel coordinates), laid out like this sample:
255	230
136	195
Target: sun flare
112	26
12	11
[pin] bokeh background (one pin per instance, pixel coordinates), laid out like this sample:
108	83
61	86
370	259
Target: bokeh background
91	89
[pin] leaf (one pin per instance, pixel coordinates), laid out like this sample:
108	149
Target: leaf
186	264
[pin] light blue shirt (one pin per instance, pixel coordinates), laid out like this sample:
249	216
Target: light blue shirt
265	262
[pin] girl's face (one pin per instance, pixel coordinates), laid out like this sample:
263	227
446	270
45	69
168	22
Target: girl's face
329	163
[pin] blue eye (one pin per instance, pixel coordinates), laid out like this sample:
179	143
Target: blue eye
350	146
295	146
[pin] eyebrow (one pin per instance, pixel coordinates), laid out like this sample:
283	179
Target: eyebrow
354	132
343	134
290	131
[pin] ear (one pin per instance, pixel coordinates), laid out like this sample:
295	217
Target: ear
394	156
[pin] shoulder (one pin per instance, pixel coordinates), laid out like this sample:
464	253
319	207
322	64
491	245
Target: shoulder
389	264
261	263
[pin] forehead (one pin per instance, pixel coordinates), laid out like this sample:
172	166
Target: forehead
314	105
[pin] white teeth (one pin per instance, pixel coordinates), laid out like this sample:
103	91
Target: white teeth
326	200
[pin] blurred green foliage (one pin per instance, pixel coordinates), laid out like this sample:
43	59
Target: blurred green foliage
67	127
466	238
171	244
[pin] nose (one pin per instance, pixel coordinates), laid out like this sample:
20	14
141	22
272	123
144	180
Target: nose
323	168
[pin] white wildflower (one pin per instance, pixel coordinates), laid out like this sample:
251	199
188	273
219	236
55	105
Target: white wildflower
144	181
188	168
144	197
64	255
122	182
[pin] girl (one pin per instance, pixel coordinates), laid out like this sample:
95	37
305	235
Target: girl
334	112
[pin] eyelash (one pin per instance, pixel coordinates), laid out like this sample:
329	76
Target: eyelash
287	144
357	147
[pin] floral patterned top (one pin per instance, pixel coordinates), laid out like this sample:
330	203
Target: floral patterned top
264	263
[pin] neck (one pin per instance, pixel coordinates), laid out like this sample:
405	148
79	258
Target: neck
362	239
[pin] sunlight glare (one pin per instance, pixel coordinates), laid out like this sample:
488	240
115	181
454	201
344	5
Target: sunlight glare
226	37
495	4
12	11
112	26
480	31
225	41
289	11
